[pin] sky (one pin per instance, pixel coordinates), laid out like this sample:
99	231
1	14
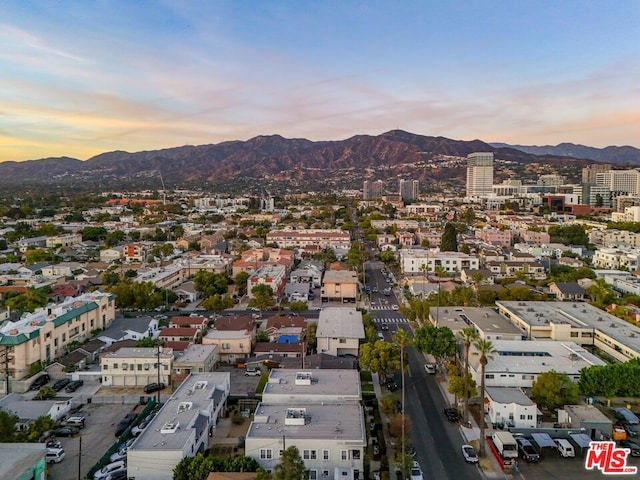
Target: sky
79	78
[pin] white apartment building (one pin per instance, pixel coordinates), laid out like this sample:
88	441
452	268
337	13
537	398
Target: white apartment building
66	240
479	174
616	258
316	386
372	190
415	261
274	276
168	277
339	331
630	214
408	189
43	335
511	407
135	367
614	238
321	238
181	428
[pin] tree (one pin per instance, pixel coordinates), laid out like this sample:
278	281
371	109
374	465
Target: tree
449	240
485	349
380	357
8	423
310	335
467	336
240	281
217	303
45	393
402	339
554	389
262	297
457	383
148	342
38	427
437	341
298	307
210	283
291	466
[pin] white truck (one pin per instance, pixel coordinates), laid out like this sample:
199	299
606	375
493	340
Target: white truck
505	444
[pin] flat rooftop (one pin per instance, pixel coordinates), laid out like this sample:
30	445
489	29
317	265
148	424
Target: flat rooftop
195	353
139	352
343	422
339	322
171	427
484	318
16	458
579	315
344	384
536	356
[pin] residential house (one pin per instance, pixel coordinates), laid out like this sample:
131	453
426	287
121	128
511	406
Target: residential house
339	286
186	293
234	337
339	331
195	359
263	350
297	291
181	428
179	334
113	254
136	367
195	321
567	291
510	407
286	326
134	328
308	271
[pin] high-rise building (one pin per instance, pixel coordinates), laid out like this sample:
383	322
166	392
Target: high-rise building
626	181
590	171
371	190
479	174
408	189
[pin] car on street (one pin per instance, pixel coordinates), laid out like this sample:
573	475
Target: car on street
629	428
252	372
73	386
109	469
60	384
451	414
633	446
416	471
394	307
390	382
65	431
380	336
430	368
384	326
469	454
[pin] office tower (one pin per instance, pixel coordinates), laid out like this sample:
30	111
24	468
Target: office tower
479	174
590	171
408	189
626	181
371	190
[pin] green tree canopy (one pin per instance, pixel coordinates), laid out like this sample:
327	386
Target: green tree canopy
437	341
380	357
291	466
217	303
449	239
262	296
210	283
616	379
8	423
199	466
554	389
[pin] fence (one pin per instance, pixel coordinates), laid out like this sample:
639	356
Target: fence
114	399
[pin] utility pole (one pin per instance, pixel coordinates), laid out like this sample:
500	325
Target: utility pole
80	457
158	392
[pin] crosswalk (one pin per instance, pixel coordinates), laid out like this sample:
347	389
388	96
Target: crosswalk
380	307
391	320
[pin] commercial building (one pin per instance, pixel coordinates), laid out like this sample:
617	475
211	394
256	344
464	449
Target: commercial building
181	428
479	174
489	324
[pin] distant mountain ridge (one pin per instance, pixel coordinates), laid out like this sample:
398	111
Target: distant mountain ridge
619	155
266	158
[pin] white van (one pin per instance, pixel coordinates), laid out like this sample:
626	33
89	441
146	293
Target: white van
54	455
564	447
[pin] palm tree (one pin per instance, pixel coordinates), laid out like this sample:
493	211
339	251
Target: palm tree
467	336
402	339
485	349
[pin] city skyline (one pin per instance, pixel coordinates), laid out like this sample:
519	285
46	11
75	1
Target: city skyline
91	78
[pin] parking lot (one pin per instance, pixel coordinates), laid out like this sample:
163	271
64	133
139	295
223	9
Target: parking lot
97	437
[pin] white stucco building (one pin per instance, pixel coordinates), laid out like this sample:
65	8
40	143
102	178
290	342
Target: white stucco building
339	331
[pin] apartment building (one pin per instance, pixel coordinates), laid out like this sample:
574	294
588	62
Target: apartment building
616	258
417	261
339	286
494	236
319	412
135	367
43	335
614	238
321	238
168	277
181	428
252	260
339	331
275	276
479	174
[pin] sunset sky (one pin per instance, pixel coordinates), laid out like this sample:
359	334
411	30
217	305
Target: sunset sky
78	78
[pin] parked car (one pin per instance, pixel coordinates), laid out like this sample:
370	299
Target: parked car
252	372
137	430
110	469
119	455
451	414
384	326
54	455
153	387
633	446
526	450
124	423
117	475
469	454
73	386
40	382
65	431
76	421
416	471
391	383
60	384
430	368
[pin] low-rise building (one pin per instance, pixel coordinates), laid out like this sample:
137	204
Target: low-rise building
134	328
181	428
179	334
510	407
273	276
29	411
135	367
23	460
195	359
312	386
311	237
489	324
421	260
339	286
339	331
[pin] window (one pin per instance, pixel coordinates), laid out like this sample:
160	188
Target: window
226	346
521	417
266	454
344	454
115	366
355	454
139	367
105	367
325	454
343	340
529	417
125	366
489	375
309	454
313	475
325	473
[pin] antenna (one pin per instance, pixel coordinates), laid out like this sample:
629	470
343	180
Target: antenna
164	190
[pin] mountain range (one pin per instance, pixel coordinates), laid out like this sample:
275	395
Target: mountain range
275	158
